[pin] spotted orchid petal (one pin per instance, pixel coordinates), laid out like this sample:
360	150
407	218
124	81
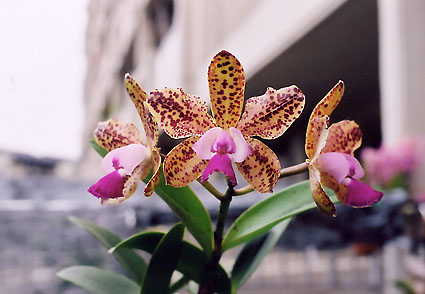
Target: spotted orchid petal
113	134
340	166
139	98
344	136
180	115
323	202
182	165
328	104
270	115
127	158
220	163
323	109
262	168
156	175
226	79
316	138
203	147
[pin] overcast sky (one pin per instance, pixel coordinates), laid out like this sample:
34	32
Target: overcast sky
42	67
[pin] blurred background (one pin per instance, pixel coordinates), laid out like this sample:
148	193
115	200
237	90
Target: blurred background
62	68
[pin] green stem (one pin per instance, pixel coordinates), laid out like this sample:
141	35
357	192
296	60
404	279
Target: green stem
207	285
285	172
207	185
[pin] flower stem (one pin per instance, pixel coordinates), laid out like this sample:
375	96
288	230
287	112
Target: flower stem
285	172
207	285
208	186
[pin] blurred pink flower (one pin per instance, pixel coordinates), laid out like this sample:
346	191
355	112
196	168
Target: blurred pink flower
409	153
384	164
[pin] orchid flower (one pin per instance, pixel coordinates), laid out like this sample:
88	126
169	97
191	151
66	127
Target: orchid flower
129	160
330	157
214	143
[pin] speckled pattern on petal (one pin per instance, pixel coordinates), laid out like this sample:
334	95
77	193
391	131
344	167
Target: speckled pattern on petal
139	97
113	134
323	202
180	115
328	104
182	165
316	136
131	182
324	108
156	175
226	79
262	168
340	190
344	136
270	115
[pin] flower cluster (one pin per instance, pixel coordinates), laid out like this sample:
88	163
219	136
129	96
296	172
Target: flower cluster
214	143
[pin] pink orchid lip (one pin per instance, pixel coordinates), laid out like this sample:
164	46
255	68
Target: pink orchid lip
340	166
220	163
223	144
109	186
217	140
222	147
127	158
359	194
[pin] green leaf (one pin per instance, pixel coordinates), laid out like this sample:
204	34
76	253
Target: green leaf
102	152
163	262
178	285
192	213
192	260
187	206
132	263
98	281
259	218
253	253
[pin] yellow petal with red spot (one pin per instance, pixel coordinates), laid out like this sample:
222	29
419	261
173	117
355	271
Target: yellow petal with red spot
315	138
180	115
328	104
182	166
262	168
323	202
131	182
324	108
270	115
344	136
328	181
139	97
226	79
156	175
113	134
